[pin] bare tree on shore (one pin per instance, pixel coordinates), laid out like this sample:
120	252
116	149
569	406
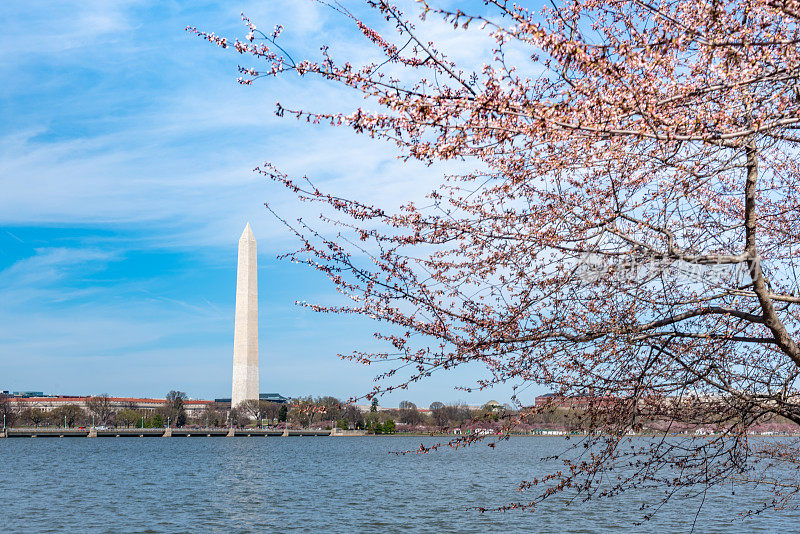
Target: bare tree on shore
174	409
100	406
260	409
8	413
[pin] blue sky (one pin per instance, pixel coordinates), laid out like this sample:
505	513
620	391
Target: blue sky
126	152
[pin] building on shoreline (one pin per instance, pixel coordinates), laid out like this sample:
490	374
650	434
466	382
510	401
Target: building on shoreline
194	408
225	403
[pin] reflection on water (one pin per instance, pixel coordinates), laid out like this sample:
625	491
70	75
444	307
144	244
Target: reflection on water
310	484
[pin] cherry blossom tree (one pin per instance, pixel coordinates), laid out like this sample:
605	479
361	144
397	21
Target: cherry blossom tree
626	230
304	410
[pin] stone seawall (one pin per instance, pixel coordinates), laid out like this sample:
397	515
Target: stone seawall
340	432
156	432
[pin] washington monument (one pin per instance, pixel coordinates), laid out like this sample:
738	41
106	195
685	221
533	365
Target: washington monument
245	333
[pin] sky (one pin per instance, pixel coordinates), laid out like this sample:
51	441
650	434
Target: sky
126	157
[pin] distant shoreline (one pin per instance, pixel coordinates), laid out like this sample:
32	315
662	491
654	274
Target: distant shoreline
51	432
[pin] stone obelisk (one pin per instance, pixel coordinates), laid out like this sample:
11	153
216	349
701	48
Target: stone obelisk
245	334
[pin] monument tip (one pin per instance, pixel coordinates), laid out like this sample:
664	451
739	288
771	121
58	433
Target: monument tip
248	233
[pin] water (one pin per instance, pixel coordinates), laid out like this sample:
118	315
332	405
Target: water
312	484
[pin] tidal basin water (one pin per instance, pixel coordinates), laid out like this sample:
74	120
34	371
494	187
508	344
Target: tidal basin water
308	484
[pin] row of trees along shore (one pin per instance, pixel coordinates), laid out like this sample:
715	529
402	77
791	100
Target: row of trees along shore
616	213
304	412
564	415
327	412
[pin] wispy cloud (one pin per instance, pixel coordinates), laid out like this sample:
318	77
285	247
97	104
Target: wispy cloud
46	29
51	266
